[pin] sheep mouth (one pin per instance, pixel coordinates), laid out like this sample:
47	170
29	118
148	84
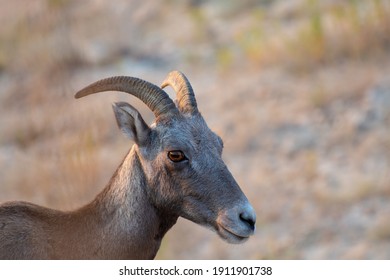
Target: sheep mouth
230	236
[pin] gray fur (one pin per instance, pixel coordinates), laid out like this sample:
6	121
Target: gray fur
142	201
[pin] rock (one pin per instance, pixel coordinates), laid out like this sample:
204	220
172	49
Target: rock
378	110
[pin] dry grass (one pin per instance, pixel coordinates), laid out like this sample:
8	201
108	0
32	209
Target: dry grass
316	32
297	90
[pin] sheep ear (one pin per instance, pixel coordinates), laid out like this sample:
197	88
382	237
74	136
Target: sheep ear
131	123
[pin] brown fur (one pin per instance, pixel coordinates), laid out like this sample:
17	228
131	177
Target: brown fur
147	193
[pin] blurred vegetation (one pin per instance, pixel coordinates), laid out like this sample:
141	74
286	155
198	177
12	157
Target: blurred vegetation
298	89
327	32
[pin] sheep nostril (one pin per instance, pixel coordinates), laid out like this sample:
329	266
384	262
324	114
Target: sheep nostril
249	220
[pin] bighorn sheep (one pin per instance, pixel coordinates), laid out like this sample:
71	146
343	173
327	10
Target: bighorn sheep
173	169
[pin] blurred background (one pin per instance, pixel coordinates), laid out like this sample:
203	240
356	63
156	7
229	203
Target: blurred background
299	90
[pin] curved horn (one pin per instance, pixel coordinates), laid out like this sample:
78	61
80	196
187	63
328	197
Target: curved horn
184	93
154	97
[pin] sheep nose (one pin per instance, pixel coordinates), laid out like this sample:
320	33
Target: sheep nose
249	218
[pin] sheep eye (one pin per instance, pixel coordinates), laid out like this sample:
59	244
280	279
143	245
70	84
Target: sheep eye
176	156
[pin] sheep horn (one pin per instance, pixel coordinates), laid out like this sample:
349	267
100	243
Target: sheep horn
185	96
154	97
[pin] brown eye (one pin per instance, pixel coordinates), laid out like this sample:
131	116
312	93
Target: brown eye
176	156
